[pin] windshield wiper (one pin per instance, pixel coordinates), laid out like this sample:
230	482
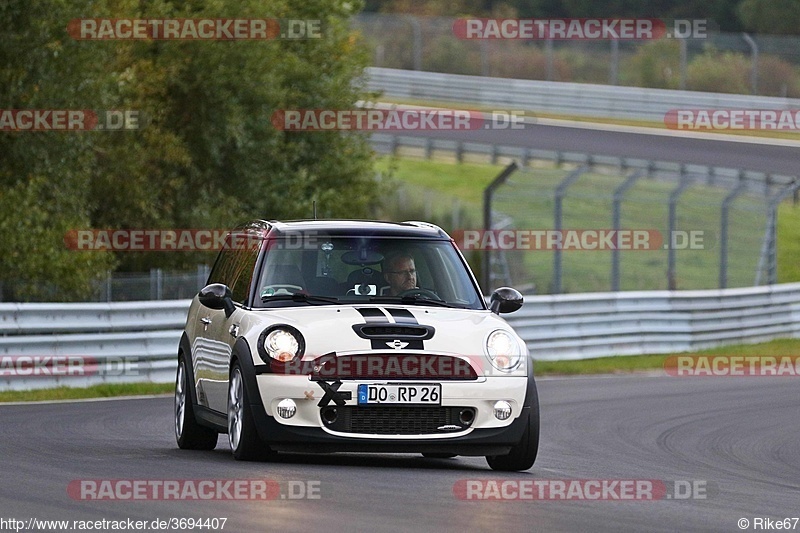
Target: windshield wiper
414	300
300	297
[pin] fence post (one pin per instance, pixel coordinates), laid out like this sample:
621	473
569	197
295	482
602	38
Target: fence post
613	76
673	208
561	191
619	193
753	63
488	193
684	63
723	231
548	50
772	234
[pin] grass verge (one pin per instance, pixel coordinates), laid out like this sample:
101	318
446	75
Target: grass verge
106	390
643	363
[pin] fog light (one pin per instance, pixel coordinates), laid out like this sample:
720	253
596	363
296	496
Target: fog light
502	410
287	408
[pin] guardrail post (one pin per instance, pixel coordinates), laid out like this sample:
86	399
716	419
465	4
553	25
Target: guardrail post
460	151
723	231
673	212
488	194
429	148
561	192
619	193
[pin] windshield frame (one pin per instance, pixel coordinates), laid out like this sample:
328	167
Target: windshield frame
464	279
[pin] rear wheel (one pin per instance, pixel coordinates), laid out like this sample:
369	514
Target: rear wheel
242	435
189	434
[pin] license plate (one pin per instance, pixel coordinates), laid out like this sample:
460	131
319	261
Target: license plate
391	393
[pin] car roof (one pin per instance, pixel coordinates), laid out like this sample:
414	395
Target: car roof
350	228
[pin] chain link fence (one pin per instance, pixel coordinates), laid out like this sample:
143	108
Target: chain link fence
157	284
698	231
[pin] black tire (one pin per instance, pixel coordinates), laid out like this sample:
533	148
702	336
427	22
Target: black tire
245	443
439	455
522	455
189	434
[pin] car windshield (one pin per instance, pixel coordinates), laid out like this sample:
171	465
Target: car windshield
342	270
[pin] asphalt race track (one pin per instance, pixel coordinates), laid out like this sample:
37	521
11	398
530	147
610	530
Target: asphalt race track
675	146
737	438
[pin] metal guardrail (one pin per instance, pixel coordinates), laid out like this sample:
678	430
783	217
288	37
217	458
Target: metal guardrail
115	342
581	326
563	98
571	326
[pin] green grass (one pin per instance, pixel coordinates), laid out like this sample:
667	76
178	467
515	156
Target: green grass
528	197
643	363
95	391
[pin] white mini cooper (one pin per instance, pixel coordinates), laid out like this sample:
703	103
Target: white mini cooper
327	335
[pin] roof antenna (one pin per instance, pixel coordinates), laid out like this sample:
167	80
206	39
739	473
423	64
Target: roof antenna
314	204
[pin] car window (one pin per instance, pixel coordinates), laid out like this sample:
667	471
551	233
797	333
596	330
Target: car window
234	267
365	269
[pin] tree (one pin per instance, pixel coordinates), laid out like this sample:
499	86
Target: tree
207	154
770	16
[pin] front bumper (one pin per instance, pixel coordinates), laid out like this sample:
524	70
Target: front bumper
305	432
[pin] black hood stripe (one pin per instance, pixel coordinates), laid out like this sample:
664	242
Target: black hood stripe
373	315
402	316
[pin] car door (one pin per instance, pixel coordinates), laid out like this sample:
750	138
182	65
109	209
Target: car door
217	333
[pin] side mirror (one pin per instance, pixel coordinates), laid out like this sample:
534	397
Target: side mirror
217	296
505	300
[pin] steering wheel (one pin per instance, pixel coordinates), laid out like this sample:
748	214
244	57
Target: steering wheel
419	291
279	288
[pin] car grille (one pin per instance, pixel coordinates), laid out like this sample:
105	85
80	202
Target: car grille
393	366
397	420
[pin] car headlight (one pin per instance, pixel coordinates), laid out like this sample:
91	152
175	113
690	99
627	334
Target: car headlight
281	343
503	350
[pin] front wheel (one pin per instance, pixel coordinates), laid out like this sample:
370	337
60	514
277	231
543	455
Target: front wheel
242	435
189	434
523	454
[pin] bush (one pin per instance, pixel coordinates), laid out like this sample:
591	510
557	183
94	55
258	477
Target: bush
719	72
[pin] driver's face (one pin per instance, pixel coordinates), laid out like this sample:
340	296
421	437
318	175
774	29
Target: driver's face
401	276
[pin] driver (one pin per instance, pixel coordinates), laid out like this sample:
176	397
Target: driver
400	273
